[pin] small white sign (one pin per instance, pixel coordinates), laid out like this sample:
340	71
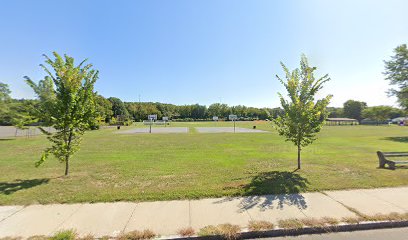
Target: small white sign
232	117
165	118
153	117
215	118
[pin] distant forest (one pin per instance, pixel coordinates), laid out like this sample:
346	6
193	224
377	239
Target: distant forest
112	110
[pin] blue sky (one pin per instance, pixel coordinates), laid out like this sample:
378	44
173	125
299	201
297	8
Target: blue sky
186	52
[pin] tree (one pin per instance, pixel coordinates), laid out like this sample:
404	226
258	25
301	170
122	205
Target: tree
214	110
378	113
303	117
275	112
354	109
4	92
69	106
103	108
198	111
335	112
22	113
396	71
118	107
4	98
396	112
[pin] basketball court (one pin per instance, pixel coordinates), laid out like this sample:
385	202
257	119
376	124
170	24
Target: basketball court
156	130
227	130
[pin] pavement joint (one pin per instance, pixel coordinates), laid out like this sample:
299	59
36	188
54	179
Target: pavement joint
189	213
250	217
62	223
131	215
381	199
353	210
13	214
303	212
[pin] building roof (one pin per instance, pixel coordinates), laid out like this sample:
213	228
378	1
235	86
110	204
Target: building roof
341	119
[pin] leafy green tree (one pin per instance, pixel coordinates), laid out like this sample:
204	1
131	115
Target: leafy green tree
396	72
167	110
354	109
219	110
303	116
4	98
215	110
103	108
4	92
275	112
22	113
118	107
240	110
198	111
69	106
335	112
378	113
396	112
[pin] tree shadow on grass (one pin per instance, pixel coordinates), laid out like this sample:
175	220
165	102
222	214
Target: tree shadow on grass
6	139
397	139
278	189
17	185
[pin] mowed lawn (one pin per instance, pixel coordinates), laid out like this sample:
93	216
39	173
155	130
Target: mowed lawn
147	167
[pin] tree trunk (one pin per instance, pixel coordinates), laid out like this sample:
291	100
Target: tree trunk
66	165
67	156
299	149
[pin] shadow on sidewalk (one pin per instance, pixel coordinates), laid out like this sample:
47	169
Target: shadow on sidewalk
274	189
281	188
17	185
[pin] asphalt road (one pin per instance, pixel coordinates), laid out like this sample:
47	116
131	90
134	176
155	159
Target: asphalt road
379	234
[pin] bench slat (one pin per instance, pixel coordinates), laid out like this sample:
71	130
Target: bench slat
395	154
392	153
400	162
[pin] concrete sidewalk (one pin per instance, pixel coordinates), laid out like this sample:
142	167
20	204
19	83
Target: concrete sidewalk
167	217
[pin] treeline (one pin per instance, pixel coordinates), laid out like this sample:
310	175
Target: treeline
113	109
21	112
18	113
361	112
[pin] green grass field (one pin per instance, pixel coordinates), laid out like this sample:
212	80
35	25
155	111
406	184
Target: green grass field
144	167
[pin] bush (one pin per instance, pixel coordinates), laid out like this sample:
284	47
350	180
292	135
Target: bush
290	224
186	232
227	231
137	235
260	225
65	235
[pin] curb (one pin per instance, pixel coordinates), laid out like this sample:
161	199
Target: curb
304	231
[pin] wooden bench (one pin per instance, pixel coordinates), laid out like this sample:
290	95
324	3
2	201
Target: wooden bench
383	157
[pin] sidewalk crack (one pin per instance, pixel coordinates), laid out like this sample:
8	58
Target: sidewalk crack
304	214
13	213
131	215
353	210
189	213
64	221
381	199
